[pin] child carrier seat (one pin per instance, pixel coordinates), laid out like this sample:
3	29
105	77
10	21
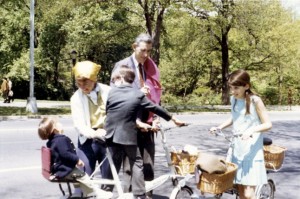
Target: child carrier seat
46	171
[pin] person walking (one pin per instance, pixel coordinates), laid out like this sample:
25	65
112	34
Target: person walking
10	92
4	89
249	118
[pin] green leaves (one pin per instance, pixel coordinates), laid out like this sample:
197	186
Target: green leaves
197	43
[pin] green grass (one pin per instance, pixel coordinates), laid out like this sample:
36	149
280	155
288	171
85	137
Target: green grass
63	108
187	108
21	111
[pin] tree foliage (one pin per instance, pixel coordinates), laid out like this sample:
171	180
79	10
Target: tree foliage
196	44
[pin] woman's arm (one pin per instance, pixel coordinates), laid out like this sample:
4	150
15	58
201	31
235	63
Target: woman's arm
226	124
223	125
263	116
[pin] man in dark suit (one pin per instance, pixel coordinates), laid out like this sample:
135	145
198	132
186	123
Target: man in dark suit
123	105
146	80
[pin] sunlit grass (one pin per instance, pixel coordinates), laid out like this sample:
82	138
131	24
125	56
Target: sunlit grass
21	111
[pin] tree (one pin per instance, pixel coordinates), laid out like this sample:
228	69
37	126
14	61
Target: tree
265	41
14	32
219	18
153	12
184	56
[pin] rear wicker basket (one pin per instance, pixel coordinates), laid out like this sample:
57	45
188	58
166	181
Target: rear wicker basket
217	183
274	156
184	163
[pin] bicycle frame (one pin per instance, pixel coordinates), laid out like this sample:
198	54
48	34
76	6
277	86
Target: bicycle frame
149	185
259	192
230	140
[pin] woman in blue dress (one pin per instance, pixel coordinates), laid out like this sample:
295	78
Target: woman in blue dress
249	118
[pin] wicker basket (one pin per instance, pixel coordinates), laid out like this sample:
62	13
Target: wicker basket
274	156
217	183
184	163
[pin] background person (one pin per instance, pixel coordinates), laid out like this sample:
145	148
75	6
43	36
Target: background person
146	80
249	117
4	89
10	93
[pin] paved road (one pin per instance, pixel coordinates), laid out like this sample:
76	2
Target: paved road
20	156
285	132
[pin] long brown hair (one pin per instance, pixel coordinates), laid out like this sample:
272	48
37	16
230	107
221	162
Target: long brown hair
241	78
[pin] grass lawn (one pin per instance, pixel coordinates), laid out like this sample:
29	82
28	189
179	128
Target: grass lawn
19	111
17	108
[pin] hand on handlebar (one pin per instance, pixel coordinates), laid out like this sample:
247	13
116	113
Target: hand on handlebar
144	127
156	125
99	134
247	135
214	130
178	122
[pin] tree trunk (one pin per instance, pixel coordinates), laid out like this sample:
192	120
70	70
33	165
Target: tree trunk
280	80
225	68
154	28
55	78
156	36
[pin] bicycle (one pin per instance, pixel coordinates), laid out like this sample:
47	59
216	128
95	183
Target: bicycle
265	191
180	189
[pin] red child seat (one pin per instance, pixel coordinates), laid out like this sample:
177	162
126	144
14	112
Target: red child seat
46	171
46	162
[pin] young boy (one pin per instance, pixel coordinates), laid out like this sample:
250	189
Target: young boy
64	159
123	104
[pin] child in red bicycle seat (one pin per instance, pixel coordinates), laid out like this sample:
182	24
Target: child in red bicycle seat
122	107
64	159
248	117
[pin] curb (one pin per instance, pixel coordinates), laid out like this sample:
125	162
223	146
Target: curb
20	117
41	104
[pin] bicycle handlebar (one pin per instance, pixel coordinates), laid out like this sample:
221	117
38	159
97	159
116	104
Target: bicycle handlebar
219	132
169	128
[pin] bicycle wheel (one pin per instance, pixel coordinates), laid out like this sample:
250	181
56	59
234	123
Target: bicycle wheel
183	193
266	191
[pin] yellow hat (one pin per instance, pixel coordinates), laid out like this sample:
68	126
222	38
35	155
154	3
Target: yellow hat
86	69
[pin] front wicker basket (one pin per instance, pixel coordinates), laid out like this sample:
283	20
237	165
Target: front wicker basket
217	183
184	163
274	156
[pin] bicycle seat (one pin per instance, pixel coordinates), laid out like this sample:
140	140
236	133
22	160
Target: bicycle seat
267	141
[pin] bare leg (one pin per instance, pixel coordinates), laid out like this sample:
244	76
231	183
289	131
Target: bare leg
246	192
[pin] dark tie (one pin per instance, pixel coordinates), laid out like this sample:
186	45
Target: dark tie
142	83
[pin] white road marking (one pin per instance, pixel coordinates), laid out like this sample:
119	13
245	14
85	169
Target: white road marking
28	130
19	169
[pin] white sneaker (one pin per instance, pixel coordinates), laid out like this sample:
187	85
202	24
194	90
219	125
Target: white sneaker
101	194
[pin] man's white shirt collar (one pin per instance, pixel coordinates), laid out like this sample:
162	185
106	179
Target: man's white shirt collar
136	63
